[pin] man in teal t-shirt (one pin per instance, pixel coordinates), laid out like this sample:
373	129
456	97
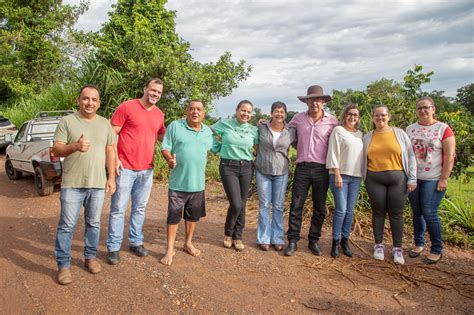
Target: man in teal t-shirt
185	148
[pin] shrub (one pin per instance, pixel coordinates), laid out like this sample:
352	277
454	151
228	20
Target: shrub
457	217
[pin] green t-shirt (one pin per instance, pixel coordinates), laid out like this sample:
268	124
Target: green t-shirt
190	147
85	169
237	139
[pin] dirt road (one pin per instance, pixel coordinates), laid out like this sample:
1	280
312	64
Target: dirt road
220	280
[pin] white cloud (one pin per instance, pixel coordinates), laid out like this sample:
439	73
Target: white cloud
337	44
93	19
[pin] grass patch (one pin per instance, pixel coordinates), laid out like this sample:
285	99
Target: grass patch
456	210
462	189
457	220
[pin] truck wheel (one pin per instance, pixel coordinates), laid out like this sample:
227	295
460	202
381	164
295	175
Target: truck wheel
43	186
12	173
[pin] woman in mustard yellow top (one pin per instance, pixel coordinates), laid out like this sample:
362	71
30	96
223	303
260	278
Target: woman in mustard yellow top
389	171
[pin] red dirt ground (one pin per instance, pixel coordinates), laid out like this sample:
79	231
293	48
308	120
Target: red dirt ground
220	280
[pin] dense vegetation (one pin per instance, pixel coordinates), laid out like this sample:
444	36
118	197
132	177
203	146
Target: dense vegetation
137	42
44	61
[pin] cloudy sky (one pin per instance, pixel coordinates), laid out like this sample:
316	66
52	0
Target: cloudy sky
336	44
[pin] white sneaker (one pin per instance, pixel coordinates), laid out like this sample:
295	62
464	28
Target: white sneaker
378	252
398	256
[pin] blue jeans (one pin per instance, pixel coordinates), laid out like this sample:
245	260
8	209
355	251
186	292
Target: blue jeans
345	200
71	201
425	201
136	184
271	189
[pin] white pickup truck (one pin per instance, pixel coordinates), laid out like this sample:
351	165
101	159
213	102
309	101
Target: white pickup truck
31	152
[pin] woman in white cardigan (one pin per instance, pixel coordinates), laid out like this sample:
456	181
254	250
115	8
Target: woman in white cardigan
344	161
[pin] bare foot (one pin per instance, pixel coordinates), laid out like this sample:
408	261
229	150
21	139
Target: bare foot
191	250
168	259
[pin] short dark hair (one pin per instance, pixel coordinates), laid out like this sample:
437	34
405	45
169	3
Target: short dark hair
156	80
277	105
89	86
188	103
244	102
345	112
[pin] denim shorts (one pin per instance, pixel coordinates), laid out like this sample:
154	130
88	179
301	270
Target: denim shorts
190	206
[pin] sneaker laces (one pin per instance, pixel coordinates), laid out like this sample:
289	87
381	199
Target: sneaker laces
397	252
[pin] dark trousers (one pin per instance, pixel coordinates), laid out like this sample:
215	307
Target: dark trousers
308	175
387	194
236	177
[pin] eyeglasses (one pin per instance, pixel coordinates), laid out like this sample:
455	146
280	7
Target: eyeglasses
380	115
423	108
353	114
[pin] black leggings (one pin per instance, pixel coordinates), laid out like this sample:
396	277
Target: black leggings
387	193
236	177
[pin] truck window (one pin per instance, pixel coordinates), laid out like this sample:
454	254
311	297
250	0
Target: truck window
21	133
43	130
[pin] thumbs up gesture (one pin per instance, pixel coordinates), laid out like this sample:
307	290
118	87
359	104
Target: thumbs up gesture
82	144
172	161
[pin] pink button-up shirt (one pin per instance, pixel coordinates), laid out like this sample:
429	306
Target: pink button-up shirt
313	138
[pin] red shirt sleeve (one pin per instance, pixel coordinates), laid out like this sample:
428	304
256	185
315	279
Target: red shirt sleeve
162	129
448	132
120	116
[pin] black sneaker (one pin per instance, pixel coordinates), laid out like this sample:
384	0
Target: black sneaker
139	250
113	258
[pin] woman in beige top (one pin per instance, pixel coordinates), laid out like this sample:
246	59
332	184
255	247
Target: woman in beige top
344	161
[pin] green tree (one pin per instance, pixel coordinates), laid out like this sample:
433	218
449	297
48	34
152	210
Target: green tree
139	41
463	127
34	36
465	97
399	97
257	115
290	115
385	91
443	103
413	81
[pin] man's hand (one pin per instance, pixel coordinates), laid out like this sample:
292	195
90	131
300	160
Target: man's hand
118	167
172	162
110	186
82	144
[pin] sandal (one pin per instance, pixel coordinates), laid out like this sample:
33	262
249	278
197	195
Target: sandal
430	261
414	251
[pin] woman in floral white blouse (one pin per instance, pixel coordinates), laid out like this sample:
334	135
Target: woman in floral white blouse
434	145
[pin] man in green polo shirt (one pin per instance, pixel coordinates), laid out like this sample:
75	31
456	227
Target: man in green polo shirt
85	140
185	148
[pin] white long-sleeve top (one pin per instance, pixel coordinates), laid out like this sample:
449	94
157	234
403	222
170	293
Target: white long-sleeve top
345	152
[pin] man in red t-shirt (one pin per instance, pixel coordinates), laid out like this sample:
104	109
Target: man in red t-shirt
139	123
